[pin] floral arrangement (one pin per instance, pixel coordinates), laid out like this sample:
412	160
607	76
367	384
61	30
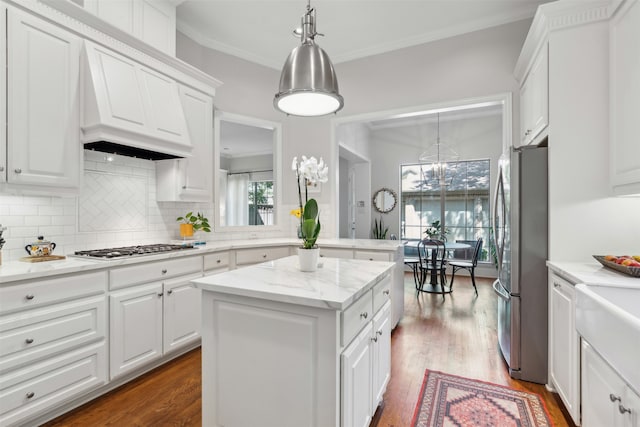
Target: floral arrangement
309	171
435	230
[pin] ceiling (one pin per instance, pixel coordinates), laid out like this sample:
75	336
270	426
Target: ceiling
261	30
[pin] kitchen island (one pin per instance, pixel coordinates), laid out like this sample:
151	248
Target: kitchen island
282	347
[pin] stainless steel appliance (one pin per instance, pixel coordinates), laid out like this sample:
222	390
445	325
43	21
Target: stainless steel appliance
129	251
520	229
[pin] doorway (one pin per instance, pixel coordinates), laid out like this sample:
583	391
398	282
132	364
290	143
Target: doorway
355	187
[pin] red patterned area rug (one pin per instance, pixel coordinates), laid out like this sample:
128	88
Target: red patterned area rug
448	400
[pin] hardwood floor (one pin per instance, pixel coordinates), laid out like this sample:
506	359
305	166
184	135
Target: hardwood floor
456	336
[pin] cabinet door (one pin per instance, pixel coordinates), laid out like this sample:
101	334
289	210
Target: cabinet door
624	98
182	310
135	327
3	93
190	179
119	13
564	367
534	99
381	353
158	25
602	391
632	404
357	386
43	114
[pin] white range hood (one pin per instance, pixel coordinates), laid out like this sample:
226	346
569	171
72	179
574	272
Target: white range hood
131	109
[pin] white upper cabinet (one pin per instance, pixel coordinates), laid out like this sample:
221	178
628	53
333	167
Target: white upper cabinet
130	104
3	93
625	98
534	100
43	138
190	179
152	21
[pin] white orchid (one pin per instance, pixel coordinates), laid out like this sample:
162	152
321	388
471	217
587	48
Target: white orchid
312	171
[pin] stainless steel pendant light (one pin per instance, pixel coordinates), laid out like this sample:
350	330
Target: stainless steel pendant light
308	83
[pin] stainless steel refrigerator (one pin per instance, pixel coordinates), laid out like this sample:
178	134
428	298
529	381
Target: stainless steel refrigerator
520	229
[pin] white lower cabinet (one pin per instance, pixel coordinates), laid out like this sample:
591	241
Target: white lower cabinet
151	320
564	344
182	313
366	369
135	330
52	343
606	399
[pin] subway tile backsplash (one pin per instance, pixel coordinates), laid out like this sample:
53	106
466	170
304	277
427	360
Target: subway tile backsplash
116	207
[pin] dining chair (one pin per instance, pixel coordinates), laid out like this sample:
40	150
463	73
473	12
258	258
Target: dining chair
469	264
411	260
431	253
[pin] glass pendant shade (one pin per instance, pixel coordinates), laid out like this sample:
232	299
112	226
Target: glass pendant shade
308	83
442	160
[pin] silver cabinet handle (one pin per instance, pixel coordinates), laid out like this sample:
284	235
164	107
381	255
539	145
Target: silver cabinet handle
364	315
30	297
160	294
613	397
164	271
29	340
385	292
30	395
184	187
557	285
264	255
623	410
170	291
374	339
218	261
17	170
379	332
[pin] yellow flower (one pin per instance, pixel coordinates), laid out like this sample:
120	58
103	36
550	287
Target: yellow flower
296	212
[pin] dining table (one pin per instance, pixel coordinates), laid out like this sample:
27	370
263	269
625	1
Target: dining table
433	286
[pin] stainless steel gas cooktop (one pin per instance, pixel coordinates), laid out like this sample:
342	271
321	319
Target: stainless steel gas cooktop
129	251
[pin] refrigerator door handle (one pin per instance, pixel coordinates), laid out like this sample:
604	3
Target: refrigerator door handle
498	289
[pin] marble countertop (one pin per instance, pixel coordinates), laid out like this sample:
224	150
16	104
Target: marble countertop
593	273
336	284
13	271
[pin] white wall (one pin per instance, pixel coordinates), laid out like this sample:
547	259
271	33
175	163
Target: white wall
471	65
473	138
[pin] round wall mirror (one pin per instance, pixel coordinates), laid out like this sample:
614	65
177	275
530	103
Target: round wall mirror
384	200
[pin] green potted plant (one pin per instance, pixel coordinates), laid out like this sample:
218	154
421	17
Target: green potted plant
379	231
191	223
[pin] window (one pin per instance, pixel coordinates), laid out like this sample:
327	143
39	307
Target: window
260	202
464	199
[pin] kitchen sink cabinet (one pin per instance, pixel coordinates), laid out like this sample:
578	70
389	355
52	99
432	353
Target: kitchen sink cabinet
190	179
624	33
42	105
534	99
152	21
564	344
606	399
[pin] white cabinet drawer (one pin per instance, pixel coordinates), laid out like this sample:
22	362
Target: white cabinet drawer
36	388
254	256
37	293
153	271
39	333
372	255
356	316
381	293
216	260
336	253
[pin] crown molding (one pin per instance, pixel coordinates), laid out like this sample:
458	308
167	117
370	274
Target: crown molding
557	16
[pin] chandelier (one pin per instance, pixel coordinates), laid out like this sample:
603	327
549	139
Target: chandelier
441	161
